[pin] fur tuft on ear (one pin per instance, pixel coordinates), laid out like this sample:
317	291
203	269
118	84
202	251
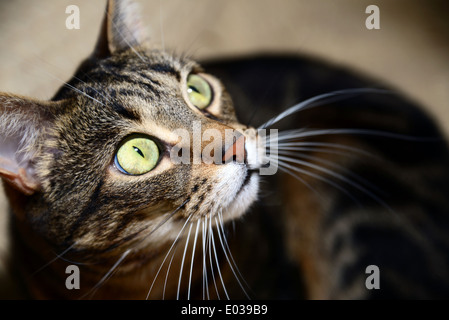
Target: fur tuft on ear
22	123
121	28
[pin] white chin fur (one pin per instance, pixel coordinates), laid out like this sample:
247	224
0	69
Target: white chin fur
234	198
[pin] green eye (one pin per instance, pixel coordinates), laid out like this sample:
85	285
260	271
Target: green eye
199	91
137	155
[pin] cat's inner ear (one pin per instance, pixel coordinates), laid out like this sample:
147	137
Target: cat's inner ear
121	29
22	124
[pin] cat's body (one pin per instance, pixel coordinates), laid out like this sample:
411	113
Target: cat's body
371	191
332	237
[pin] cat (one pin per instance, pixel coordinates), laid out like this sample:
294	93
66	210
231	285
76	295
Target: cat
362	180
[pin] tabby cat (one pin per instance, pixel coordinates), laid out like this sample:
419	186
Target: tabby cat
362	180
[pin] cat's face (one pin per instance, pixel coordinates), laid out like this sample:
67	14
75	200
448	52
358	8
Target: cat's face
141	100
102	169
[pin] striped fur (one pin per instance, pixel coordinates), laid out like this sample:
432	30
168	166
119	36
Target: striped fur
359	199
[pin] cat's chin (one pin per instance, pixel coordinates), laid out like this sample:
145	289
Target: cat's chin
245	196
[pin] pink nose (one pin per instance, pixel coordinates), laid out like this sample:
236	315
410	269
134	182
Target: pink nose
236	152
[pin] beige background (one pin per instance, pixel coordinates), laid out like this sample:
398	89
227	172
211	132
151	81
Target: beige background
410	51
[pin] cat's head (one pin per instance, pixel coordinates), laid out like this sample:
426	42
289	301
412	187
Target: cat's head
136	144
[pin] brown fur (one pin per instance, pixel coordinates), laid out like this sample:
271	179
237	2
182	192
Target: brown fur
312	237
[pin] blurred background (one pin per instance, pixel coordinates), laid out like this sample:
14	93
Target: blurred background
410	52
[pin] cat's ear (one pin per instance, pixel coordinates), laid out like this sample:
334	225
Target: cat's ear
22	123
121	29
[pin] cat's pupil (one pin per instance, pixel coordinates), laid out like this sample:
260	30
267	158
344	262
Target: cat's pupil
138	151
192	88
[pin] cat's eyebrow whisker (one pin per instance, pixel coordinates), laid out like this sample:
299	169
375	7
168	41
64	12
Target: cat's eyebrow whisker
74	77
322	99
68	85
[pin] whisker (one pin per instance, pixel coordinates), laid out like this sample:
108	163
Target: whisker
338	176
297	134
317	176
286	145
168	217
193	257
58	256
168	271
227	258
288	150
286	170
74	77
220	216
205	281
333	165
182	262
320	100
66	84
217	263
107	275
168	253
209	240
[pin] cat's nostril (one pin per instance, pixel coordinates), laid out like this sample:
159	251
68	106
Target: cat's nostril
236	152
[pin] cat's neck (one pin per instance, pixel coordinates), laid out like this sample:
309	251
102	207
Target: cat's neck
42	269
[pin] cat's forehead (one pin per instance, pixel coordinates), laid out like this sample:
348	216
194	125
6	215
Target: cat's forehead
152	70
153	61
134	84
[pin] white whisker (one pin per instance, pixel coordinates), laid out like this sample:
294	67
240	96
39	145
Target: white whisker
58	256
193	258
181	269
220	216
168	253
286	170
316	176
204	241
218	264
209	239
108	274
338	176
73	88
231	264
320	100
168	271
333	165
301	144
298	134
